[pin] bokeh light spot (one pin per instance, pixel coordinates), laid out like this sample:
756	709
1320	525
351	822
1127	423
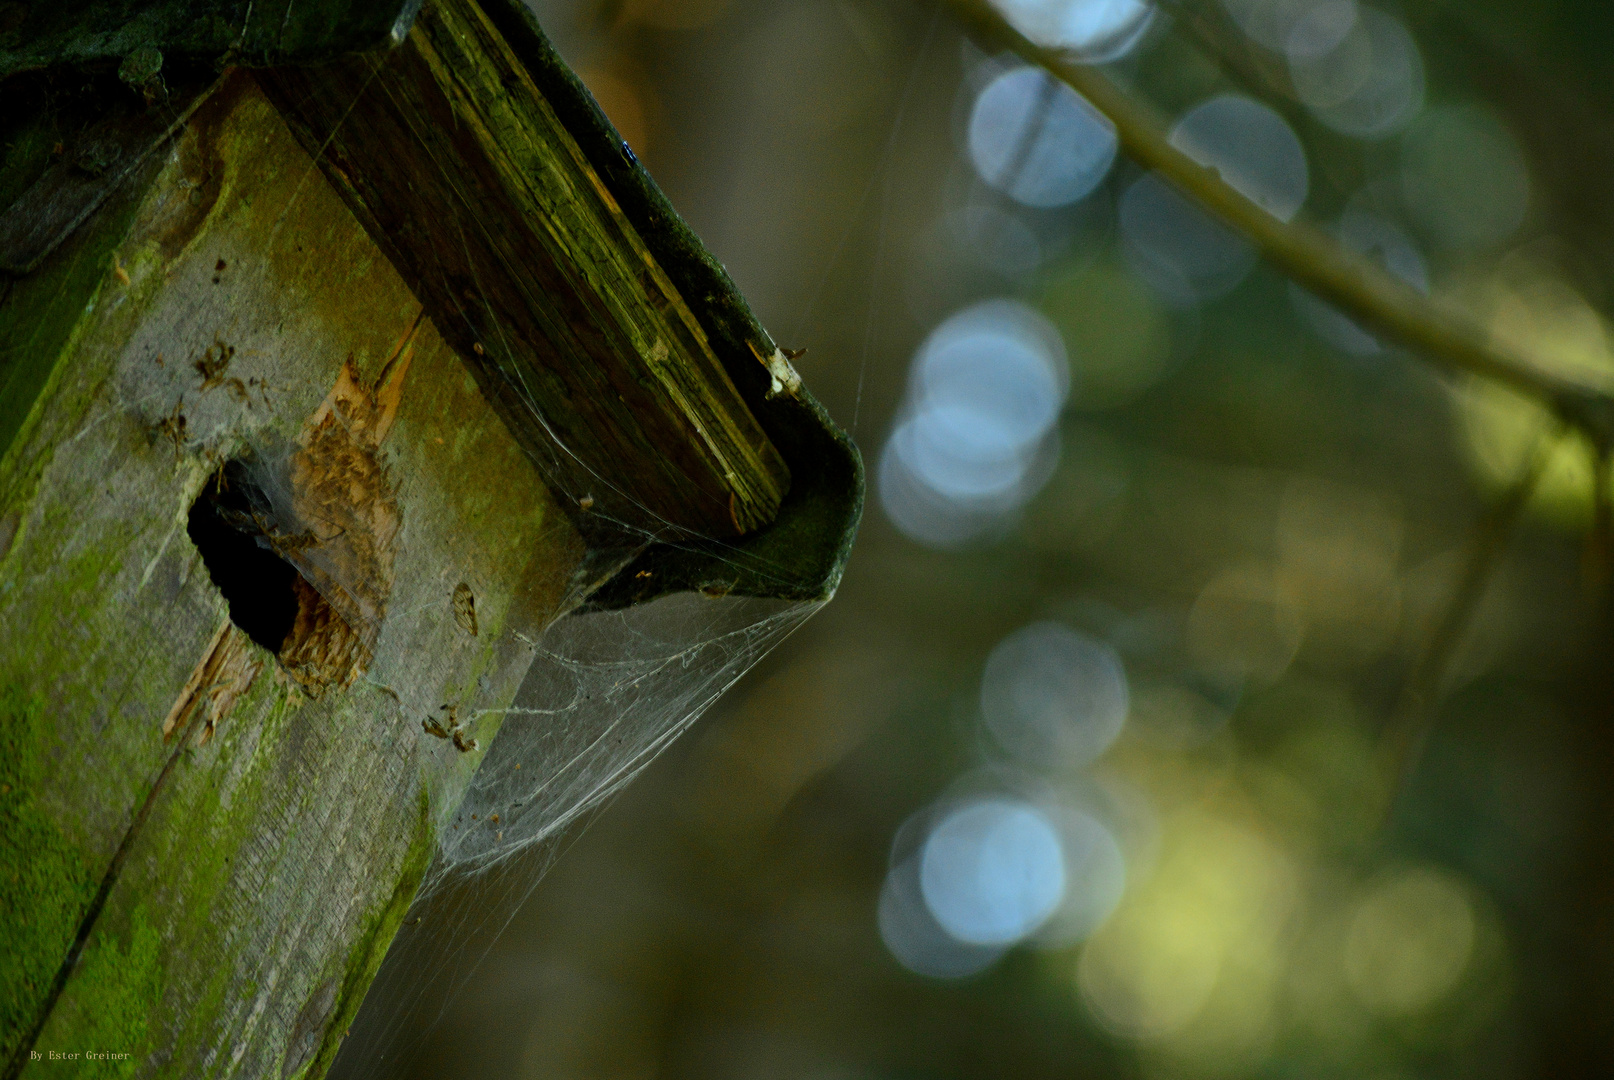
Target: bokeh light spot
1096	31
1503	429
959	452
1282	25
1203	926
1095	878
1320	28
1253	148
913	936
1001	362
991	872
978	439
1038	141
1175	246
1053	696
1369	84
1409	942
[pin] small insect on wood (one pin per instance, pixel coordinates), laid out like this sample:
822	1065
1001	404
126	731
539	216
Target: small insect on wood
450	729
465	608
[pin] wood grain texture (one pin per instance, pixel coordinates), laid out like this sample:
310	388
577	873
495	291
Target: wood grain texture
459	168
219	32
248	866
81	178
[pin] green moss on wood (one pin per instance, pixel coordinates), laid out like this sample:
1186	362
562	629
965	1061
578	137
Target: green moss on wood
109	1011
46	883
365	958
106	611
195	870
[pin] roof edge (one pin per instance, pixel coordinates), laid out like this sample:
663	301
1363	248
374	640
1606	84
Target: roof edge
802	554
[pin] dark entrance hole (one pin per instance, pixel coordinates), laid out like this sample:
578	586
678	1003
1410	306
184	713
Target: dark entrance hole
259	585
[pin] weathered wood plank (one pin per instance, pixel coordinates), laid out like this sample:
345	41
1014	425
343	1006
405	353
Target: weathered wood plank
35	35
454	160
265	845
83	175
802	554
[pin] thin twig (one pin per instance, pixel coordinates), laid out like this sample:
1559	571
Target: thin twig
1416	711
1440	334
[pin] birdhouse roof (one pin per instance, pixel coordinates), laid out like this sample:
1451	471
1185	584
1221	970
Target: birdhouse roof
799	554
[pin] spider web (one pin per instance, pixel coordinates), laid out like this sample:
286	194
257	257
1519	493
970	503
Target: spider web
607	692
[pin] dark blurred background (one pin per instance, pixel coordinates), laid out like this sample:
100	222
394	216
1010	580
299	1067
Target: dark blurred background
1104	763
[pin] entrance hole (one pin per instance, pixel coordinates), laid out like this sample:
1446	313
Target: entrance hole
258	584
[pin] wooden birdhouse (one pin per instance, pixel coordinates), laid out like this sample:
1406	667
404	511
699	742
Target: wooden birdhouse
344	347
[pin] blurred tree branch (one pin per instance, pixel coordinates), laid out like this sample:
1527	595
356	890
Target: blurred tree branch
1441	334
1569	137
1417	710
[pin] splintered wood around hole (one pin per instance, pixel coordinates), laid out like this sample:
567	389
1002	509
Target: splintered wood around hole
340	488
461	171
225	672
322	652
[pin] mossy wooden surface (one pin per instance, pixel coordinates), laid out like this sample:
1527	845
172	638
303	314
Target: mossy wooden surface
801	555
398	287
265	848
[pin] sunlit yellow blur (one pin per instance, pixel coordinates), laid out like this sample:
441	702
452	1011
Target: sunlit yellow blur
1192	961
1529	309
1409	941
1243	924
